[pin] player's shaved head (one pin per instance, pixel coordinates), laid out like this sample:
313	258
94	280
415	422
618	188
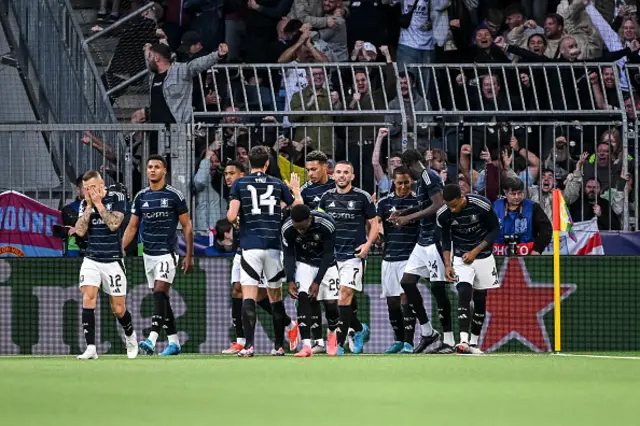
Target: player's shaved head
300	213
451	192
301	218
91	174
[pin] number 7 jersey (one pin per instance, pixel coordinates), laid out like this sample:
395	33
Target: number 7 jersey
260	214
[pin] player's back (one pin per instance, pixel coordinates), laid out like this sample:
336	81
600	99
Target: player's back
430	184
104	245
398	241
159	211
260	213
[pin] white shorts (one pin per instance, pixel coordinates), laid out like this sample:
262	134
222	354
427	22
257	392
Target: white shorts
481	274
254	264
426	262
160	268
329	287
236	270
391	275
351	272
110	275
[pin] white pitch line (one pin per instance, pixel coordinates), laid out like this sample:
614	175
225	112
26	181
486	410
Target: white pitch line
637	358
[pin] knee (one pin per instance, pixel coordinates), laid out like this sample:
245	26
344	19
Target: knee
89	301
403	299
465	290
275	294
480	300
236	291
118	310
394	303
409	282
346	296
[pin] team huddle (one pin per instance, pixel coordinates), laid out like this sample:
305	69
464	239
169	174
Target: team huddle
316	238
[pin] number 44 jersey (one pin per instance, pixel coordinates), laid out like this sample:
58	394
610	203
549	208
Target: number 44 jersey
260	199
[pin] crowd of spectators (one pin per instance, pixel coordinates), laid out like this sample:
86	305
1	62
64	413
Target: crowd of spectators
326	108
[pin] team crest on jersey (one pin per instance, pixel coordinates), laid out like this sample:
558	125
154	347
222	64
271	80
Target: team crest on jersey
351	205
474	218
108	207
164	202
316	237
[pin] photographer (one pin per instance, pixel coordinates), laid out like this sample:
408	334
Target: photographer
525	229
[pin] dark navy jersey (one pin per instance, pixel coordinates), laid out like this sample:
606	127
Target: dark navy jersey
104	245
312	192
430	184
260	213
350	212
159	212
398	241
309	247
474	223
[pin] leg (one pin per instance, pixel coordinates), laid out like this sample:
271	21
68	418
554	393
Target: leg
408	320
416	304
119	309
236	312
355	321
394	307
278	314
479	311
316	322
345	311
89	301
304	319
465	292
160	310
249	296
439	291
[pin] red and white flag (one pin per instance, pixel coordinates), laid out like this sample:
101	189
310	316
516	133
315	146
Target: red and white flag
587	241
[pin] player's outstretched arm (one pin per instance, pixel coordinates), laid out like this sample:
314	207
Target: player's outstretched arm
328	257
492	225
445	240
187	231
131	231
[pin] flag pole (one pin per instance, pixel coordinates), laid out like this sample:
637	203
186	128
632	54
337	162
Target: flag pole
556	269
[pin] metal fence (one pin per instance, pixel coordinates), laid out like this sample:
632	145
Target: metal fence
555	113
47	42
44	161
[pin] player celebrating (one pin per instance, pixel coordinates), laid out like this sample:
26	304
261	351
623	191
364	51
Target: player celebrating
232	171
159	207
101	214
398	244
318	181
425	260
470	222
351	208
317	184
308	239
256	201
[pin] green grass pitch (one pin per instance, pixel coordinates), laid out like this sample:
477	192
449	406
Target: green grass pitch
360	391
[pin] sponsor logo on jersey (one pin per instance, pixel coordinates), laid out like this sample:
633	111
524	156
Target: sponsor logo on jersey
332	204
145	204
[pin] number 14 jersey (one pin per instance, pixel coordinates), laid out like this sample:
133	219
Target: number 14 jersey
260	214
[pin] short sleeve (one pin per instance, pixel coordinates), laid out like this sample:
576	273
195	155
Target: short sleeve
287	197
234	194
120	205
380	209
369	207
432	182
135	207
181	205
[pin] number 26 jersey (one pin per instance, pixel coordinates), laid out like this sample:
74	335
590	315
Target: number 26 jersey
260	214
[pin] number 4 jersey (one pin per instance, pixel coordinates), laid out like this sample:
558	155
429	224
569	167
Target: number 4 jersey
260	199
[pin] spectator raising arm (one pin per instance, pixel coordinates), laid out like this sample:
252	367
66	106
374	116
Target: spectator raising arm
202	64
281	9
378	171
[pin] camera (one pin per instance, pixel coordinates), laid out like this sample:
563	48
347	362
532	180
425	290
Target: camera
512	241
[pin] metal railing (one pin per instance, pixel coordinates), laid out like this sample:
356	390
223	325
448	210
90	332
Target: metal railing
47	42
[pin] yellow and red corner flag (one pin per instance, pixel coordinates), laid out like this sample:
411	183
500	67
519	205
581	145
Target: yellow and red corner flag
561	218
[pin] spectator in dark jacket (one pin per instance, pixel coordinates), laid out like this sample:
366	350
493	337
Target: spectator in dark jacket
591	205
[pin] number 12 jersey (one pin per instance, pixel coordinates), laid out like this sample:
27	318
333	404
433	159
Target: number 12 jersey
260	214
